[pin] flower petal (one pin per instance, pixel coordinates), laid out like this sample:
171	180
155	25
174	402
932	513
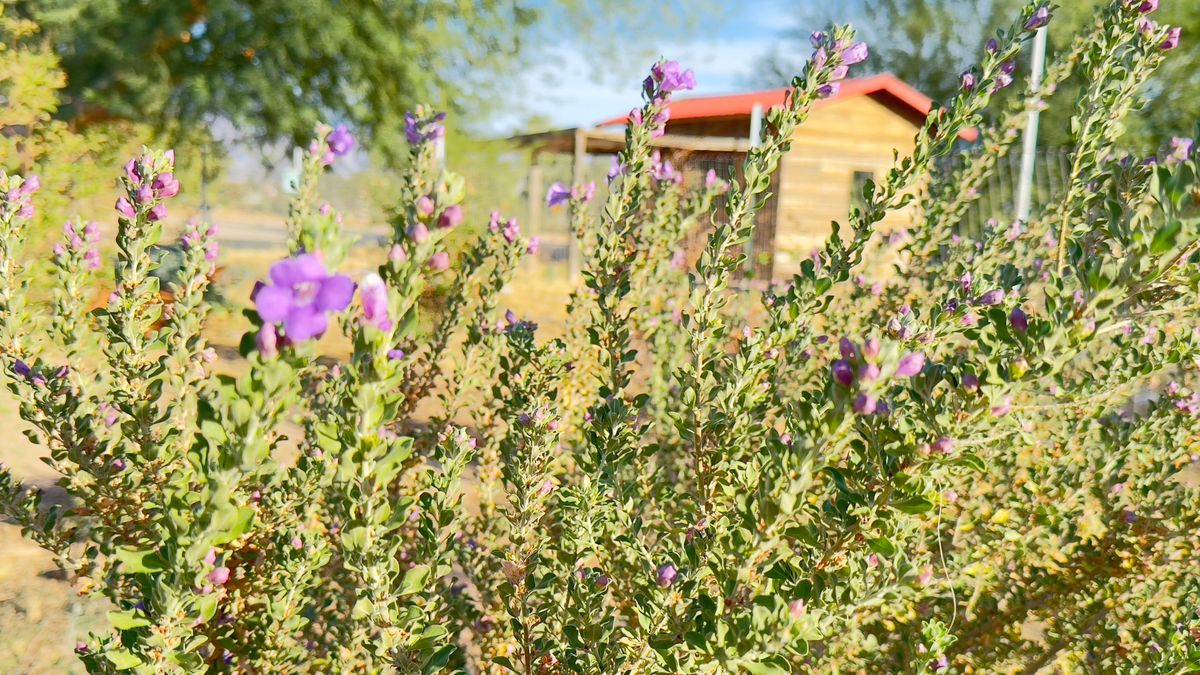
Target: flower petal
335	293
273	303
292	271
303	323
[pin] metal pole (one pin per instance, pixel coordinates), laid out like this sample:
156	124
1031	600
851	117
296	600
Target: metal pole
756	118
204	181
1029	149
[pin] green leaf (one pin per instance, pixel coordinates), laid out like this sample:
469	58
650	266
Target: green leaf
916	504
127	620
1164	239
123	659
140	562
414	580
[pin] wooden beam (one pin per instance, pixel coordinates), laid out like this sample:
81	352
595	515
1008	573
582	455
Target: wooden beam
612	140
676	141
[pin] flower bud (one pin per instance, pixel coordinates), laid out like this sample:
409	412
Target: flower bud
451	217
666	575
910	364
843	372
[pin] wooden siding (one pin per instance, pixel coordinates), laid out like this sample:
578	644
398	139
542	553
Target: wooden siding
817	174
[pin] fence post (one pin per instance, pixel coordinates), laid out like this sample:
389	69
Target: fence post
1029	148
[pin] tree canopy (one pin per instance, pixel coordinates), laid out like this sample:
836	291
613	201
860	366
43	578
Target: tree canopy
927	42
274	67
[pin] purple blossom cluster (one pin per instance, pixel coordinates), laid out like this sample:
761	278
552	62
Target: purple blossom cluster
422	126
1184	401
338	143
148	191
667	77
559	193
80	239
843	52
663	171
203	236
18	200
1149	27
859	364
34	376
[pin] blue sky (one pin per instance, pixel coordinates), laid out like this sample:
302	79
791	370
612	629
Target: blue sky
722	49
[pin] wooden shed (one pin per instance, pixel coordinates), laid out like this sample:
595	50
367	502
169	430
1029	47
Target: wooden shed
848	138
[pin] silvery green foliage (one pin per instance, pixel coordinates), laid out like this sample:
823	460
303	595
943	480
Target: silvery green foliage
985	461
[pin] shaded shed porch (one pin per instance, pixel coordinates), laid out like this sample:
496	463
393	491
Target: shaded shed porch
693	155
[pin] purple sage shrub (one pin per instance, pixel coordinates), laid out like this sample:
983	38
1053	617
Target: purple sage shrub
880	475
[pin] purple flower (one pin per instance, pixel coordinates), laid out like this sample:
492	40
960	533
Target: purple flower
1003	408
118	465
425	206
219	576
944	445
869	372
796	608
451	217
910	364
418	232
397	254
531	248
968	81
1173	37
666	575
1148	6
558	194
992	47
125	208
616	169
710	178
439	261
941	663
340	141
1181	148
865	404
829	90
21	368
846	348
1040	18
110	414
420	128
584	193
992	297
301	293
511	230
843	372
373	295
156	213
856	53
1018	319
670	78
165	185
871	348
395	354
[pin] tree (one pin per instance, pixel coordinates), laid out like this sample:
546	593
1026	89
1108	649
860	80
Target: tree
923	41
275	67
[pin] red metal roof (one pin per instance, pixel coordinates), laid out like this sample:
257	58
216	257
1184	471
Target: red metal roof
737	105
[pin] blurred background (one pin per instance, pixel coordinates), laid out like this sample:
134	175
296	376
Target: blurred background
235	85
